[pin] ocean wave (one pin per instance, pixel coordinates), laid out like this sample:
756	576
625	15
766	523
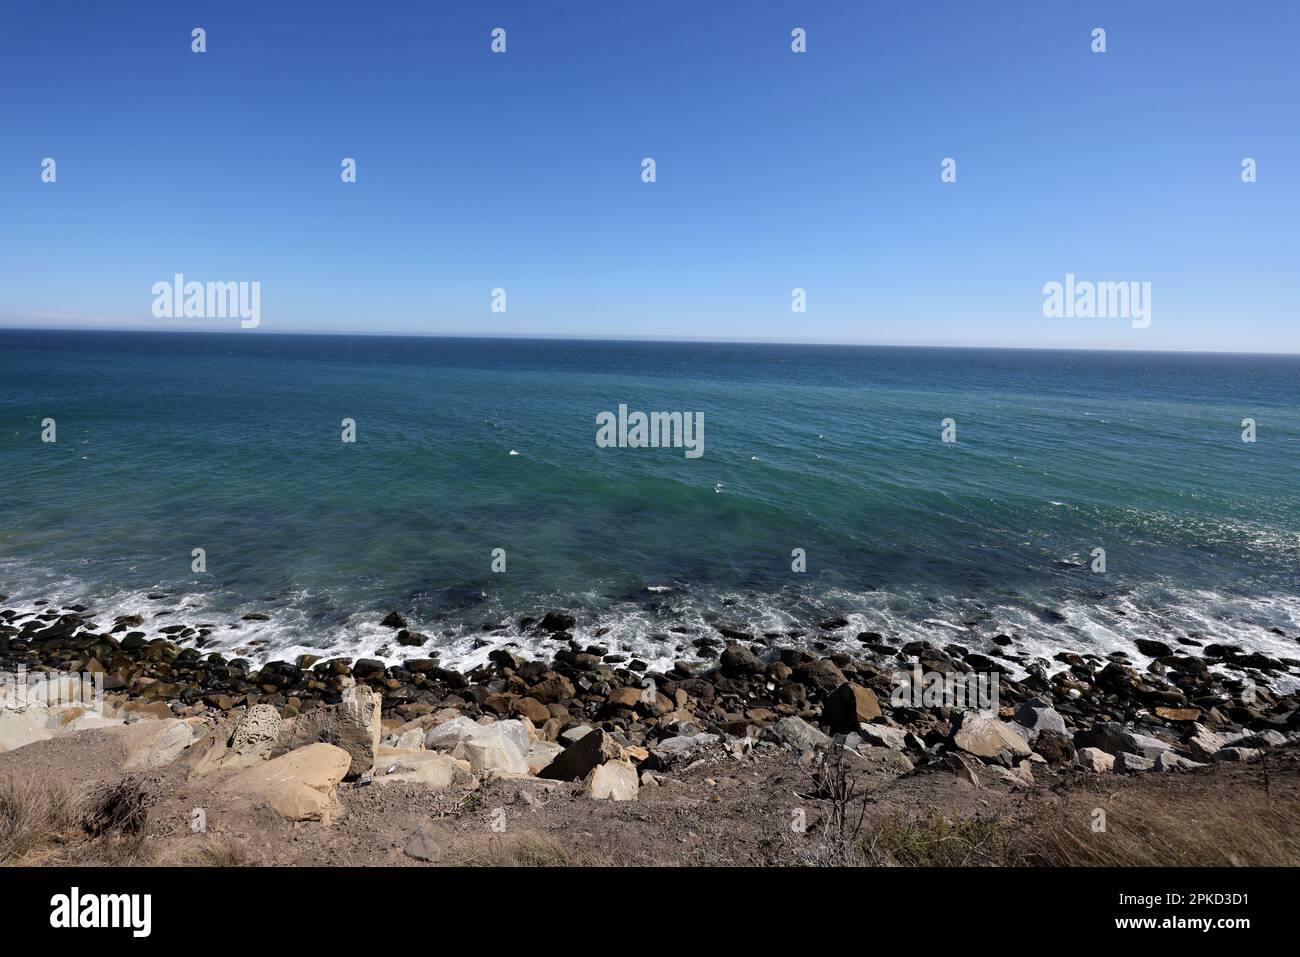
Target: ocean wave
662	626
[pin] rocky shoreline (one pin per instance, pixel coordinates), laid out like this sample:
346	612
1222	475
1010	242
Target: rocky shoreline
1187	707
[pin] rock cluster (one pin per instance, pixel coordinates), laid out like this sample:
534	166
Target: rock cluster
595	717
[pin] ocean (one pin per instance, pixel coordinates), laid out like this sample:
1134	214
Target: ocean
231	443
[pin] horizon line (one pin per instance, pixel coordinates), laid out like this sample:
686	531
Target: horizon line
668	339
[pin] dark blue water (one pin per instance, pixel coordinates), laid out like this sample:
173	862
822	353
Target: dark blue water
231	443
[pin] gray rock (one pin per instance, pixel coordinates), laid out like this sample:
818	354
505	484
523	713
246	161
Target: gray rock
884	736
799	734
1261	739
1173	762
1040	717
1204	744
1126	762
1239	755
1114	738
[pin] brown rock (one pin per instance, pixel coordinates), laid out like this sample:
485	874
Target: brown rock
581	757
849	706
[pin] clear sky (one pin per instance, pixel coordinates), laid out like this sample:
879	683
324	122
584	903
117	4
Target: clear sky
775	170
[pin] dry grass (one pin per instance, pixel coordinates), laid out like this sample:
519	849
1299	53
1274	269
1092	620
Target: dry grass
932	839
517	850
1241	827
37	817
218	852
43	821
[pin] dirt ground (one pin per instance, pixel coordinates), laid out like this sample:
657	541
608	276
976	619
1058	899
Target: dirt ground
770	808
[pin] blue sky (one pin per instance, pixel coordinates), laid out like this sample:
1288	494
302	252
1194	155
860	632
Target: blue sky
775	170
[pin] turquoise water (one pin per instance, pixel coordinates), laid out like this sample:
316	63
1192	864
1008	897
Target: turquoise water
231	442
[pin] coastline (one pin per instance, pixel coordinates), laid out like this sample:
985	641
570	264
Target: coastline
591	723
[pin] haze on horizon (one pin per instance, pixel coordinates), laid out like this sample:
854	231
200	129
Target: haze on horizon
775	170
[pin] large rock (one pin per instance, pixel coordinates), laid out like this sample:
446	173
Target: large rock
353	725
425	768
1096	760
540	754
884	736
613	780
498	747
1114	738
299	785
987	737
1203	744
820	673
493	748
1124	761
799	734
151	744
738	661
849	706
1039	716
580	758
1173	762
19	728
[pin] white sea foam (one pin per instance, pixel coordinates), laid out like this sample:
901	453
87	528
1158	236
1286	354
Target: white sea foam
664	627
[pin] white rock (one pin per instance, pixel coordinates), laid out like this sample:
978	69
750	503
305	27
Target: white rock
613	780
427	768
20	728
985	736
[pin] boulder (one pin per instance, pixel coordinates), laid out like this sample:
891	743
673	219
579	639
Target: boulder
1114	738
1054	748
493	748
987	737
1240	755
738	661
1126	762
532	709
849	706
425	768
299	785
1096	760
1173	762
884	736
613	780
820	673
353	724
1203	744
555	621
423	845
580	758
552	690
798	734
257	732
540	754
1178	714
19	728
962	767
1260	739
151	744
1039	716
